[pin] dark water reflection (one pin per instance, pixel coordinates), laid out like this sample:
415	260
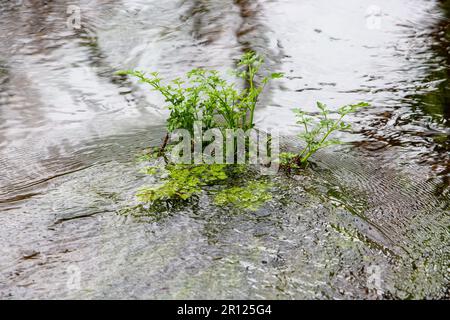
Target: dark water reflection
69	130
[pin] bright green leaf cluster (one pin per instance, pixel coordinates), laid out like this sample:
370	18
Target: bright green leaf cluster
206	96
183	181
317	131
250	197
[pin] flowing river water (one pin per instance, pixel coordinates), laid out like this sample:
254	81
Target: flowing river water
369	220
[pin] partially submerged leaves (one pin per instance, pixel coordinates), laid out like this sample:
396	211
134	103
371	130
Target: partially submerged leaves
249	197
183	182
316	132
179	183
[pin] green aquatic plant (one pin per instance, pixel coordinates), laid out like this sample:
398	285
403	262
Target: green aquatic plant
205	96
249	197
182	181
317	131
248	68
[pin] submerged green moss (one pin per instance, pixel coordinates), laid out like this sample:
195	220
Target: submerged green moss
249	197
183	181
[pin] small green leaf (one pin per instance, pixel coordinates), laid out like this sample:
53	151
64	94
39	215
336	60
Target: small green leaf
276	75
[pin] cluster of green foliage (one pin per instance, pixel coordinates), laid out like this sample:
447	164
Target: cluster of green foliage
317	131
204	95
249	197
180	182
185	180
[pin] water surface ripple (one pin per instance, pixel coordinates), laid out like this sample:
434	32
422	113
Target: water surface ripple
375	209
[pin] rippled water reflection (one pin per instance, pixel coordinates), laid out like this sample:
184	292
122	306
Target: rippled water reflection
69	130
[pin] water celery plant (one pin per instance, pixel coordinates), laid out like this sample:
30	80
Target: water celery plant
317	131
183	181
249	197
204	95
180	183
